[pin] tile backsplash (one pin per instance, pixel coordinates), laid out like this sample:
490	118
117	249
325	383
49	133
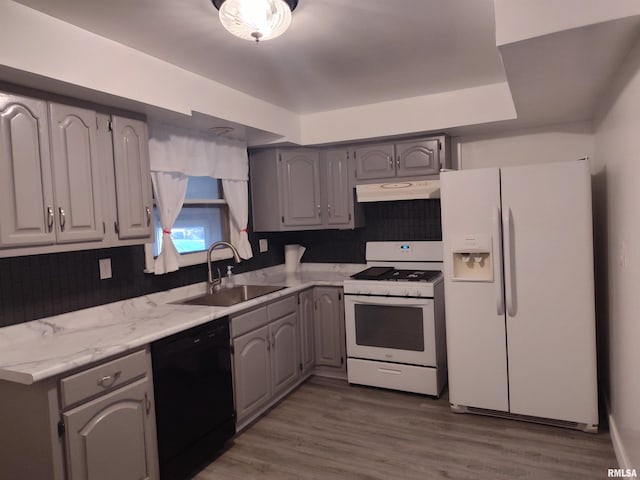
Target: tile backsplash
38	286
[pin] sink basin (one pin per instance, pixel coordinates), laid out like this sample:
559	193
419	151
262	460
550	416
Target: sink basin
227	297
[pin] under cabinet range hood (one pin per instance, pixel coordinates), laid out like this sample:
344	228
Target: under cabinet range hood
409	190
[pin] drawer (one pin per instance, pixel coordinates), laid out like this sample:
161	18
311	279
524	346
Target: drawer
396	376
248	321
283	307
103	378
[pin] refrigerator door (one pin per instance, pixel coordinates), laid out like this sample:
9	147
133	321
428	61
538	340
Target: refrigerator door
475	323
550	296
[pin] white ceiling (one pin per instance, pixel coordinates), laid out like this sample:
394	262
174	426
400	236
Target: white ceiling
404	67
336	53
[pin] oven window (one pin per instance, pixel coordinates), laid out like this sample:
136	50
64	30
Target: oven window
400	328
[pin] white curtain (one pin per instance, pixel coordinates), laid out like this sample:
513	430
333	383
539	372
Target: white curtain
176	154
236	192
170	189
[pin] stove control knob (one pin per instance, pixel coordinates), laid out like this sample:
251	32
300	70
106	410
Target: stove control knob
406	293
418	293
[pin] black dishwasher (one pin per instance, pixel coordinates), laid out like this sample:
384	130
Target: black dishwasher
193	398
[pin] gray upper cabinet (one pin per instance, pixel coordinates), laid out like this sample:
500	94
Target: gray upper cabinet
302	189
78	199
26	190
338	199
70	178
374	161
132	178
413	158
299	172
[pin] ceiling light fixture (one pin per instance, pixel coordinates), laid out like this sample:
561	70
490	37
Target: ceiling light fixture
256	19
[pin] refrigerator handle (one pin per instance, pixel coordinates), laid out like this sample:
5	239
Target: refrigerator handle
508	262
497	255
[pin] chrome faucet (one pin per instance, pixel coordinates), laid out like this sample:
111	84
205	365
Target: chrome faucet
214	284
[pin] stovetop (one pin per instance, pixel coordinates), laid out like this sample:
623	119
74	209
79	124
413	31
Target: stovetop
396	275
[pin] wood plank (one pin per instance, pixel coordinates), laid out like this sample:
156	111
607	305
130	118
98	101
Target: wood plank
327	429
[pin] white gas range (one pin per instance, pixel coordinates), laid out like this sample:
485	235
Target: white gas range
394	318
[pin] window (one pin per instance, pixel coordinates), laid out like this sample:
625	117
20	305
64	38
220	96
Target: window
202	221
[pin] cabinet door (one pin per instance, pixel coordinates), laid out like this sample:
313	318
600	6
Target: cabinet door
339	197
417	158
252	371
307	337
374	161
76	174
284	350
300	187
112	436
329	323
26	192
133	178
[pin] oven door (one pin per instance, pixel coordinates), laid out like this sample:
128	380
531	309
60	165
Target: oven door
391	329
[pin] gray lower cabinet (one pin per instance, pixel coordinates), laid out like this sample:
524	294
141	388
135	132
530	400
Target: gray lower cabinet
107	438
307	331
265	358
95	424
329	327
252	371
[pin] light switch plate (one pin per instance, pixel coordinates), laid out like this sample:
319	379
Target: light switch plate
264	245
105	268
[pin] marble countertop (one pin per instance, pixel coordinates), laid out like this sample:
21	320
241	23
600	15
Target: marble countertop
33	351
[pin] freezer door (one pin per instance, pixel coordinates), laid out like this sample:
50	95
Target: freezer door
475	323
550	299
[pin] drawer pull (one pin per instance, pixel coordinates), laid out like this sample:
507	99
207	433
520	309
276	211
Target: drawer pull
108	380
388	370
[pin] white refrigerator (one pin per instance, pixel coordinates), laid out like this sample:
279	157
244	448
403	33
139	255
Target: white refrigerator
519	292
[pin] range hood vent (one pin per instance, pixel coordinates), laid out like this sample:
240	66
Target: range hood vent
410	190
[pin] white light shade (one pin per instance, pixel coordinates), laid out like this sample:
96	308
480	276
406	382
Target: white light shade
255	19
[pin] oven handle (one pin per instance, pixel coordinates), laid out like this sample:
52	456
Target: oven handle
392	301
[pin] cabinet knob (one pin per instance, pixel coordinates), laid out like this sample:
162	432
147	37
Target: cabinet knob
50	217
148	210
63	219
108	380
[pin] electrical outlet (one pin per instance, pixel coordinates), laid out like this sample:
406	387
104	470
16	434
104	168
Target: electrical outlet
264	245
105	268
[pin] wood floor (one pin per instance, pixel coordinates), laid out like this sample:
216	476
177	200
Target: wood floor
327	429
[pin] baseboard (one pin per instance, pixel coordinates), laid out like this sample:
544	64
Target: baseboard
618	446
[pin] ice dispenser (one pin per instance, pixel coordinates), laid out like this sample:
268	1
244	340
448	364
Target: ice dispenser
472	258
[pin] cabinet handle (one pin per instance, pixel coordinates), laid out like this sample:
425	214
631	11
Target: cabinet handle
398	161
63	219
319	209
390	161
268	344
116	228
108	380
273	340
146	209
50	218
329	209
147	403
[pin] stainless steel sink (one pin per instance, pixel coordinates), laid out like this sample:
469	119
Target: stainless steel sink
227	297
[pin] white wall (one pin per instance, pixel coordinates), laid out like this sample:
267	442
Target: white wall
617	205
553	143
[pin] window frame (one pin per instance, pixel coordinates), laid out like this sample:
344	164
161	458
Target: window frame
196	258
